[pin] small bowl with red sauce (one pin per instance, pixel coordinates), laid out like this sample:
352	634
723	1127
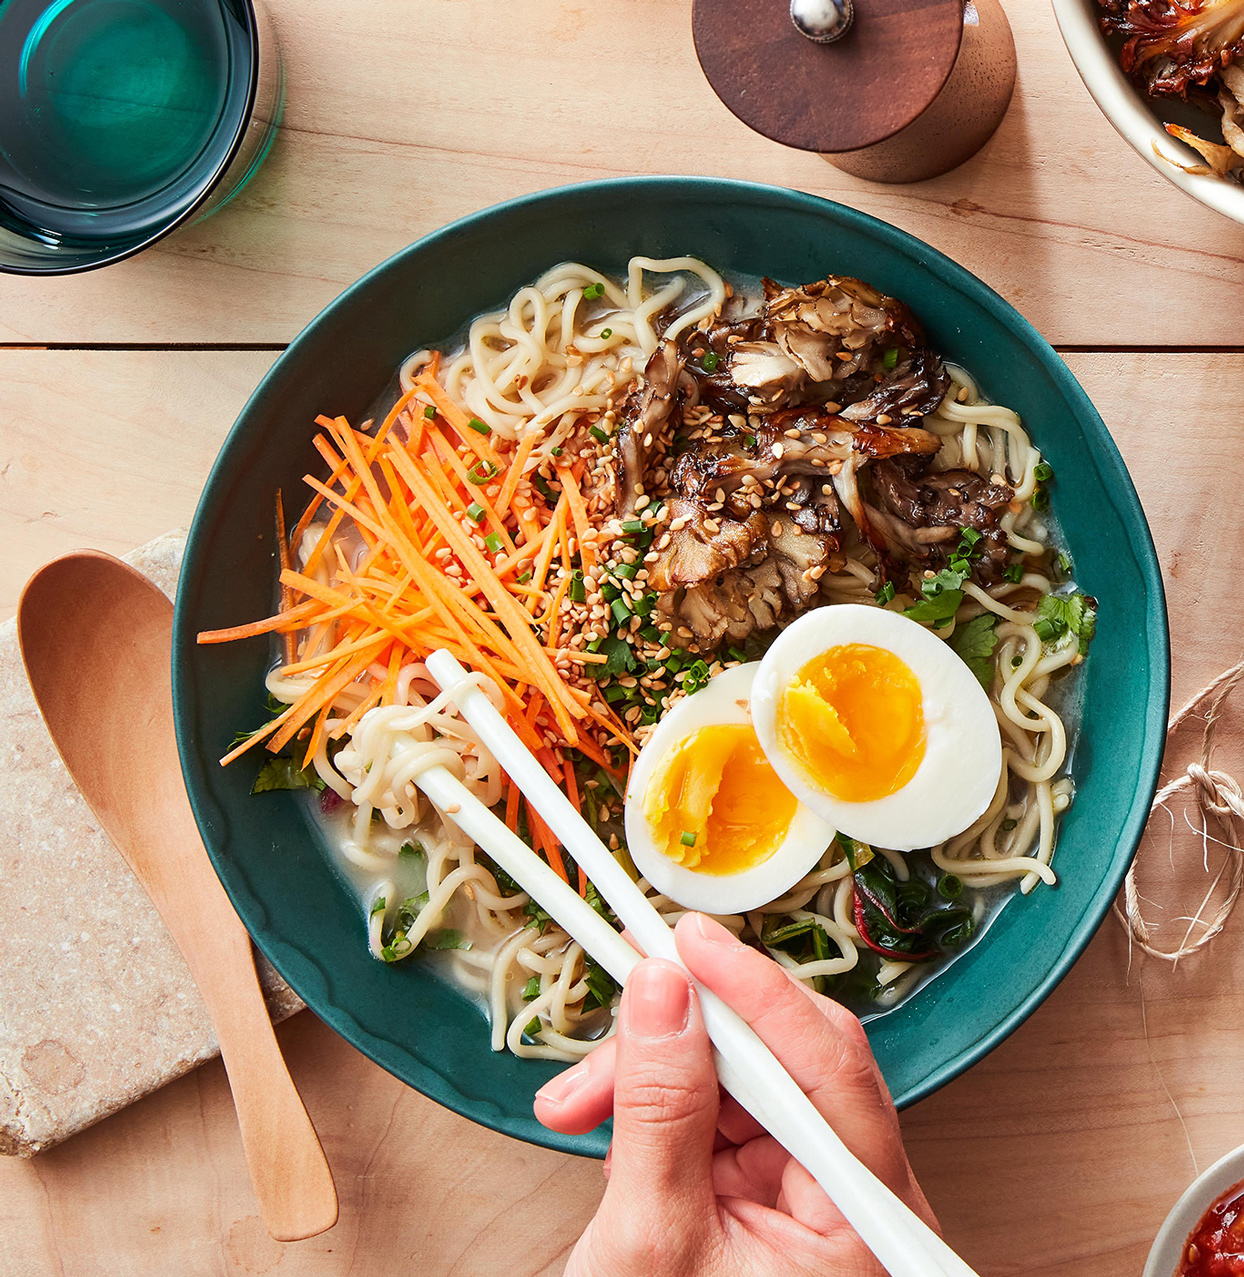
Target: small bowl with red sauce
1204	1235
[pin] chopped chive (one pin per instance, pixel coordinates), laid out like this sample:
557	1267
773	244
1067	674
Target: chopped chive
556	452
481	472
475	512
628	570
650	634
633	525
1016	661
531	990
541	485
886	593
949	887
429	412
1064	564
523	578
1040	499
1014	573
737	653
970	536
687	839
621	610
598	434
890	358
1043	473
493	542
479	427
710	361
593	291
578	589
749	441
606	333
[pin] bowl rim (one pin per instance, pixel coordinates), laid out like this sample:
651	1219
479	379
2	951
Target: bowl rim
1196	1199
253	42
952	275
1119	101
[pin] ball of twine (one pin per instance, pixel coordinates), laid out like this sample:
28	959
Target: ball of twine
1220	801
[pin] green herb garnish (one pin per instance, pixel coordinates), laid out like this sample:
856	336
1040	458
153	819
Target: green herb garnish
284	773
480	427
974	643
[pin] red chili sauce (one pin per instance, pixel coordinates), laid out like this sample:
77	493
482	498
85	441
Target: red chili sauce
1215	1247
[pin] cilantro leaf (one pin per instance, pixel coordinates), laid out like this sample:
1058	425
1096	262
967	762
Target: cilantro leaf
600	985
937	610
284	773
1058	615
942	596
974	643
446	938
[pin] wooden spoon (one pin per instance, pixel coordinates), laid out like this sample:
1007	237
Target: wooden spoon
96	637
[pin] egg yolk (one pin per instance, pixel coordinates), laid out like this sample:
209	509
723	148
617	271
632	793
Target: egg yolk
715	805
853	718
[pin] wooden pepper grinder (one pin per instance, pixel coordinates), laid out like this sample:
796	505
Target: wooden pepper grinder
889	90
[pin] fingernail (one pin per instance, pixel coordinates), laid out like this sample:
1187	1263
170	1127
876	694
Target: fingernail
657	1001
712	932
559	1089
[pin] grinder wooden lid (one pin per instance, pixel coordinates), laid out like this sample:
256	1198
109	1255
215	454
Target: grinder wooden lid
860	90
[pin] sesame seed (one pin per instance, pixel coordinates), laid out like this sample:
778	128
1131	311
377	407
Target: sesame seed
884	419
820	436
833	407
778	449
712	526
775	529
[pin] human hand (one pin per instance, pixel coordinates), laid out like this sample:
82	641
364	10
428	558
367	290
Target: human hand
696	1187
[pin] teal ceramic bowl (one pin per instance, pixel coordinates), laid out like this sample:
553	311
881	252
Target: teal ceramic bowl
267	849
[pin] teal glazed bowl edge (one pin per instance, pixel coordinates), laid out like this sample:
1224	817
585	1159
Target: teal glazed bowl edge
267	850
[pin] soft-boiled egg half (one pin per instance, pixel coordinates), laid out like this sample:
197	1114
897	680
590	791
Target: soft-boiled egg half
874	723
708	822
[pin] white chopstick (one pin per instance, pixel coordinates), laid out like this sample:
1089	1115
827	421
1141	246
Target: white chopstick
900	1240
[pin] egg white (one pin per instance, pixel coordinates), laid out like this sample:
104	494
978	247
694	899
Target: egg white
723	701
958	776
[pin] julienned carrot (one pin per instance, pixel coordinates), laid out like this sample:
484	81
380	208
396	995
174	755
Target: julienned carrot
514	618
578	512
293	619
513	795
323	692
474	439
317	733
495	521
514	472
553	535
572	792
255	737
542	836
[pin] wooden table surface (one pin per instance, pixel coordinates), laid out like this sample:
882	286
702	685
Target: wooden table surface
1056	1156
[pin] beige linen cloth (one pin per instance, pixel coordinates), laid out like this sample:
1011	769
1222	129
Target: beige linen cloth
97	1007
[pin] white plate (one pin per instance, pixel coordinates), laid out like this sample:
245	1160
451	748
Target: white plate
1132	113
1204	1191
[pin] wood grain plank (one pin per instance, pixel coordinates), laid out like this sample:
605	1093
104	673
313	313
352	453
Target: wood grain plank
108	449
1056	1156
398	124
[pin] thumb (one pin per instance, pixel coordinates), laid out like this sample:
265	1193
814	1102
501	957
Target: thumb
665	1104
